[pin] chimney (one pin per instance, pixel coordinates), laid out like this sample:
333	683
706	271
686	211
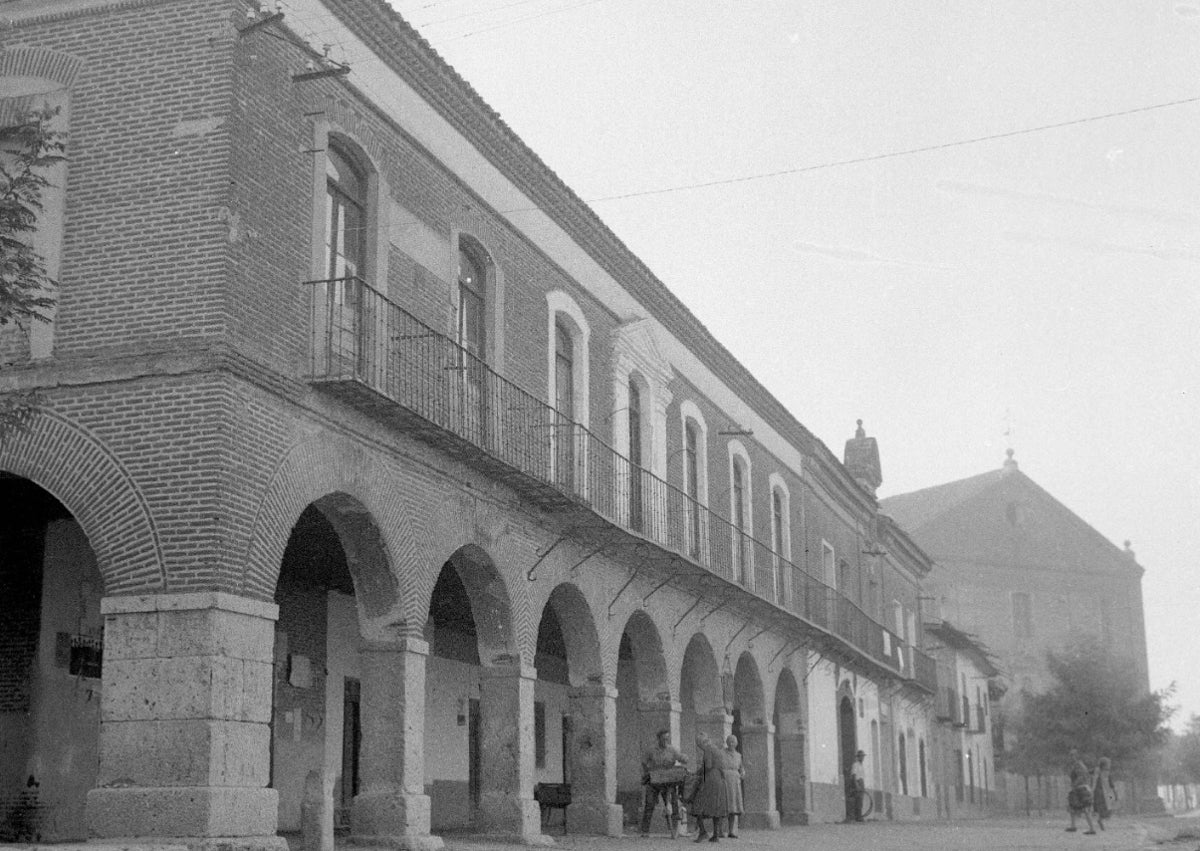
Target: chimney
862	460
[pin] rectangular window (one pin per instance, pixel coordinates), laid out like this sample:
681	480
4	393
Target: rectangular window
829	564
539	734
1022	615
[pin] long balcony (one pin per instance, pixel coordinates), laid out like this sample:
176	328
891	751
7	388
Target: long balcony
380	358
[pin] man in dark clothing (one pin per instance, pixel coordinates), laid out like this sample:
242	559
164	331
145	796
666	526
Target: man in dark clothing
661	783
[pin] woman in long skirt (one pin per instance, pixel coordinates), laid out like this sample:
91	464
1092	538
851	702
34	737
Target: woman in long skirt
733	770
711	800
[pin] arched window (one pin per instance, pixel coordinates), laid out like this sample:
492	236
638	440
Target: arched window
635	456
921	759
781	537
564	405
691	483
741	544
346	219
472	280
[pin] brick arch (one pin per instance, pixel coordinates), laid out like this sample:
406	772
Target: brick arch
748	690
650	661
491	604
787	692
93	484
701	660
40	63
350	490
579	633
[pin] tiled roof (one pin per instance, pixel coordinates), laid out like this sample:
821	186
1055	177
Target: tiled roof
919	508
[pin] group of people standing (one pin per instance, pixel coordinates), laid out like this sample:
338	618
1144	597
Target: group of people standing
712	793
1091	792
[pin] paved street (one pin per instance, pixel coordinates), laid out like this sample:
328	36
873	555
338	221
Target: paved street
1031	835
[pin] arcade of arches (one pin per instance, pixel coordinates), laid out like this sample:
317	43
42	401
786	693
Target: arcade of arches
355	702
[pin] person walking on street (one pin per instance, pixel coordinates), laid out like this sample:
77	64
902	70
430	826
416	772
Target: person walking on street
857	787
711	800
662	774
734	770
1079	799
1104	794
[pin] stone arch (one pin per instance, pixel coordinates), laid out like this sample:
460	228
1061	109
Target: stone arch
375	585
702	698
748	690
791	763
40	63
579	634
349	491
650	661
705	689
491	605
92	482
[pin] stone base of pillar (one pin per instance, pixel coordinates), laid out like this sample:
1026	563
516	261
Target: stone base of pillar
512	820
184	811
800	818
599	818
401	842
760	821
392	820
175	843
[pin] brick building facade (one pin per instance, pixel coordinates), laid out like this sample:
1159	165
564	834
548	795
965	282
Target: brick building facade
373	481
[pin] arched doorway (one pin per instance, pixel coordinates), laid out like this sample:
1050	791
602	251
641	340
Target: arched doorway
333	564
643	707
756	741
572	711
51	632
790	756
703	707
477	691
847	740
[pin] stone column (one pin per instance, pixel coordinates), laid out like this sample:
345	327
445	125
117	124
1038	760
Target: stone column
758	753
392	809
717	725
660	715
592	760
185	722
506	804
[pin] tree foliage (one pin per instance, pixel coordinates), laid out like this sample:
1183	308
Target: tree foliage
1097	704
1181	763
28	150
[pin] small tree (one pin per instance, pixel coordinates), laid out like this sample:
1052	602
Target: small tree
29	148
1096	704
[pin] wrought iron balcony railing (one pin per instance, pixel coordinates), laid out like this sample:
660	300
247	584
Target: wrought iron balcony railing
381	357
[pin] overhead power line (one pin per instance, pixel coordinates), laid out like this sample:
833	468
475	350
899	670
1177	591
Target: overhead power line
924	149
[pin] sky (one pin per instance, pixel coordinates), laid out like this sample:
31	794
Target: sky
975	226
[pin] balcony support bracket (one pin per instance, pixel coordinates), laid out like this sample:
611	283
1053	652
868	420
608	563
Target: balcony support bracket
735	635
530	575
633	572
691	609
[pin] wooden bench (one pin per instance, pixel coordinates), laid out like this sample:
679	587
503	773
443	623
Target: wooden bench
553	796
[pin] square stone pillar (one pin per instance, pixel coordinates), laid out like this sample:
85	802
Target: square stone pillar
660	715
392	809
758	754
592	760
716	725
185	721
506	804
